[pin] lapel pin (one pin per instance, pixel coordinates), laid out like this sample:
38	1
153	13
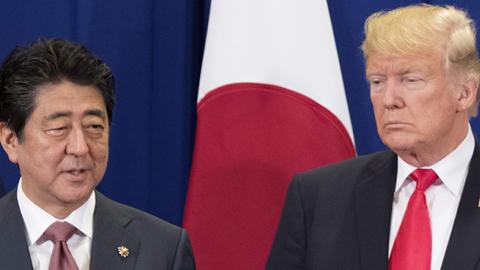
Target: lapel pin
123	251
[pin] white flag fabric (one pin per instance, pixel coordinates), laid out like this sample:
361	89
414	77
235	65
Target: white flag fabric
271	104
283	42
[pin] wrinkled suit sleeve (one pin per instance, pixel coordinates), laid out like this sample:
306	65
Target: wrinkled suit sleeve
288	249
184	259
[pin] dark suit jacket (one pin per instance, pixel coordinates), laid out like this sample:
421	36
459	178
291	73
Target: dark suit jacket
338	217
152	242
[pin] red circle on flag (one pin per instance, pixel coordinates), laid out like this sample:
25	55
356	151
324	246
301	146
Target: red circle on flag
250	140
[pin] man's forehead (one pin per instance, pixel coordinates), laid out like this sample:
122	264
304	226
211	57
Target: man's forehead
68	99
67	113
402	62
66	88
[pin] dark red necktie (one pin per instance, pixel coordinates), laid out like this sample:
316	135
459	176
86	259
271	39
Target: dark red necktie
412	249
59	233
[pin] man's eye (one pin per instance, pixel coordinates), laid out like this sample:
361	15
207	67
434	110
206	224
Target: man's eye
413	82
96	128
375	80
57	131
376	84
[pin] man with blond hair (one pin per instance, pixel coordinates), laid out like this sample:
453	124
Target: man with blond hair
416	205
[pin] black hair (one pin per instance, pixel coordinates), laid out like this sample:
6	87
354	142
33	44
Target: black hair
48	61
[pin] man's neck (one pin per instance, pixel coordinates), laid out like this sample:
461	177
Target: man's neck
427	155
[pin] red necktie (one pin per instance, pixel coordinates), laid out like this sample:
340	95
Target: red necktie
412	249
59	233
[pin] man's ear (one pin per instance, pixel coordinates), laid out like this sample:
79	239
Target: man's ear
9	141
468	94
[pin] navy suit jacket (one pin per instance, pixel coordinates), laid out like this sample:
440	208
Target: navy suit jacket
152	242
338	217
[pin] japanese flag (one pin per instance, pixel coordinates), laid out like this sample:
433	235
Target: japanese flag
271	103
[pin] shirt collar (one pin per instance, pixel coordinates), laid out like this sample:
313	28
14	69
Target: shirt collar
451	170
38	220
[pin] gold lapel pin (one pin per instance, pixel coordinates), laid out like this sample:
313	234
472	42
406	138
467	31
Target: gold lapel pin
123	251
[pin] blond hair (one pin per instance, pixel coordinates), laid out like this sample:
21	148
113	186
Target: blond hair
426	30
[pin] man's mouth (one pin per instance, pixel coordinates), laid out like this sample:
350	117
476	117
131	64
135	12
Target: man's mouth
393	124
76	172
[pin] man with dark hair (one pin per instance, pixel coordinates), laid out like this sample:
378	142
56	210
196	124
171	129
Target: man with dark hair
56	103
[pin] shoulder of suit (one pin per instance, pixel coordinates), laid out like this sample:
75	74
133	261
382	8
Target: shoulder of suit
9	204
134	218
348	169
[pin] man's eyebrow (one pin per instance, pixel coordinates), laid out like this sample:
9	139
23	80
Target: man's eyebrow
95	112
56	115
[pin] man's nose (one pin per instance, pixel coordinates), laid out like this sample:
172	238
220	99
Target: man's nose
392	97
77	143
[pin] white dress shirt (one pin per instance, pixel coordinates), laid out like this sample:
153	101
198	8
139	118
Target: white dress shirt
37	221
442	197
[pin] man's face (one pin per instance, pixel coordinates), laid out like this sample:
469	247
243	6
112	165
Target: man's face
64	150
416	104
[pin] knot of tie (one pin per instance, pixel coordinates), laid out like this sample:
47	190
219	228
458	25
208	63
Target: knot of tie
61	258
59	231
424	178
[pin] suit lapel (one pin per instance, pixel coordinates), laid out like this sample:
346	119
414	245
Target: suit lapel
109	233
373	207
463	250
13	243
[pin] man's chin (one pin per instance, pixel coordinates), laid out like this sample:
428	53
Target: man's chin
74	196
398	145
